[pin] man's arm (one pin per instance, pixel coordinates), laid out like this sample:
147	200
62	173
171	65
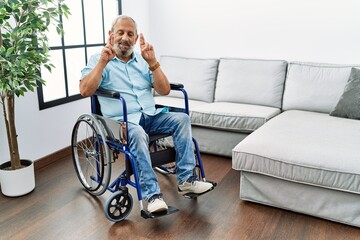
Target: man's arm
90	83
161	83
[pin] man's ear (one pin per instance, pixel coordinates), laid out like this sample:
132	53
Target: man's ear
111	37
137	37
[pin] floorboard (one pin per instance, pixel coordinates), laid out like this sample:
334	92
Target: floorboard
59	208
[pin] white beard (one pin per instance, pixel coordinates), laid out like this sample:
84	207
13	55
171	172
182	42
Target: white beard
123	53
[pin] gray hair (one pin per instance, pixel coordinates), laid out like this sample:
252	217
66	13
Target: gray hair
123	17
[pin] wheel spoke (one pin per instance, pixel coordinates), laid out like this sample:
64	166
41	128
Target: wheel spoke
90	155
118	206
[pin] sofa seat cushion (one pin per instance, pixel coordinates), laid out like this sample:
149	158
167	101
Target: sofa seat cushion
176	102
305	147
232	116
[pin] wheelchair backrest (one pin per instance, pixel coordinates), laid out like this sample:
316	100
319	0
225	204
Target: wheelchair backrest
95	105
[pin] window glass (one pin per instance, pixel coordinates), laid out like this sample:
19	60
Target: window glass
74	65
73	25
55	86
84	35
93	21
53	36
108	18
92	50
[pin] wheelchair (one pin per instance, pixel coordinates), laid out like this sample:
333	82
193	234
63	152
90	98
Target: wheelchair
96	145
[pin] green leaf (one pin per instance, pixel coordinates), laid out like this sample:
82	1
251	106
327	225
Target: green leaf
24	42
10	51
8	9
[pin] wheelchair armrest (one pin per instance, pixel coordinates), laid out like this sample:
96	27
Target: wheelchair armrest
114	94
175	86
178	87
107	93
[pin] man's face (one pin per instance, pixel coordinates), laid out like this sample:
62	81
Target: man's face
125	38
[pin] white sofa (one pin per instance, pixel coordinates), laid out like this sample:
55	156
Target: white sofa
225	104
274	117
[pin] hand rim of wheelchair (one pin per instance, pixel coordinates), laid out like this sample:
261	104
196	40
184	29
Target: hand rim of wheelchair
103	176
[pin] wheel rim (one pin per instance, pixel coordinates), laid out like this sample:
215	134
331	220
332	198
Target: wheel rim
90	155
118	206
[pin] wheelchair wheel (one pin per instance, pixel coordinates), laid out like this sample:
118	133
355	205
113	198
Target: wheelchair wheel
91	155
118	206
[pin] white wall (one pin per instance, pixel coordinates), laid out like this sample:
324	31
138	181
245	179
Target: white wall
139	11
42	132
304	30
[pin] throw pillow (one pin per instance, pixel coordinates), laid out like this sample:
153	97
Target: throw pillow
349	103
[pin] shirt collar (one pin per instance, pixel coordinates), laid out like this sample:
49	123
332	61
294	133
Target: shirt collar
134	57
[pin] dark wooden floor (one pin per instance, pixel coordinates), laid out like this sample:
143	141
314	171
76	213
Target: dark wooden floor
58	208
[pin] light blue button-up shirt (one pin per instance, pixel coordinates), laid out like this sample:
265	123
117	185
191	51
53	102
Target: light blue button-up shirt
133	80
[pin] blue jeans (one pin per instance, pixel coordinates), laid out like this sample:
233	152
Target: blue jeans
178	125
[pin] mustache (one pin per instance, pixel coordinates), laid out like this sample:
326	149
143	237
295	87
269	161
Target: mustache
124	42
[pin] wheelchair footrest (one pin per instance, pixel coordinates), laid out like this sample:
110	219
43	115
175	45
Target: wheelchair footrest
195	195
146	214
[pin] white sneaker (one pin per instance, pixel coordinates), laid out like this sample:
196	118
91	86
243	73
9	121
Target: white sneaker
156	204
194	186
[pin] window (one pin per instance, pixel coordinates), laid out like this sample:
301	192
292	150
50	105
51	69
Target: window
85	34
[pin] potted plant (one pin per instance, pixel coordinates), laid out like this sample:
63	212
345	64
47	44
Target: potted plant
23	50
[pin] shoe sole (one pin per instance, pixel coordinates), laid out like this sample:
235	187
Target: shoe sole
187	192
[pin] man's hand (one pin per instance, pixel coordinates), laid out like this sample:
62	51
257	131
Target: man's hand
90	82
108	52
147	51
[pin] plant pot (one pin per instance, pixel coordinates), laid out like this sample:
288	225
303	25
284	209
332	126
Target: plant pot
17	182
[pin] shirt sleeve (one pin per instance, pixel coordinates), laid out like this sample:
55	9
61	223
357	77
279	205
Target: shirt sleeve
151	77
90	65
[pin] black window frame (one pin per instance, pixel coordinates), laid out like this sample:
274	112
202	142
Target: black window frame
44	105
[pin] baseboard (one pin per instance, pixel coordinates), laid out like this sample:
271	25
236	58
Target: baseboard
51	158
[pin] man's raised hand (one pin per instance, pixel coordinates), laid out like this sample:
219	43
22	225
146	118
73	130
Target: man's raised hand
108	51
147	51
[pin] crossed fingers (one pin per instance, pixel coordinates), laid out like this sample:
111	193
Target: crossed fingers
147	50
144	46
108	51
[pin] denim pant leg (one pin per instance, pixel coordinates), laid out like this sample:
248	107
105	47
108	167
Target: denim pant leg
177	124
139	147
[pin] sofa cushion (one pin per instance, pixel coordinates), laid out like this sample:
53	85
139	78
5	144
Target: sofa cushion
305	147
349	103
251	81
314	86
176	102
231	116
197	75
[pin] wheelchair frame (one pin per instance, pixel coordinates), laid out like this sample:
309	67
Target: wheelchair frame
102	141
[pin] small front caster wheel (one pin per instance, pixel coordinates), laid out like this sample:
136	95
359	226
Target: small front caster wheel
118	206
